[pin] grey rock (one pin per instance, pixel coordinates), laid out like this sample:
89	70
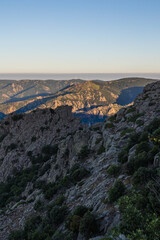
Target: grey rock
156	162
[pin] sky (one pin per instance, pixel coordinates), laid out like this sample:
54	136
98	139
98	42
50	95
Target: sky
79	36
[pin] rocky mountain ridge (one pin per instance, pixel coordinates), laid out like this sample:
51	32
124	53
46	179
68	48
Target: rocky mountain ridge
51	163
91	100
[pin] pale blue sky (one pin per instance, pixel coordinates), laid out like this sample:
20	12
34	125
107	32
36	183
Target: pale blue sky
79	36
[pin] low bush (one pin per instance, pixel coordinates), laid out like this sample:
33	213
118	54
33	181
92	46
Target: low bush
112	118
17	117
134	117
142	147
116	191
32	224
33	139
60	200
16	185
141	160
154	125
88	225
123	156
101	150
57	214
143	175
16	235
113	170
98	140
130	110
84	152
11	147
109	125
75	223
2	137
38	206
49	190
124	132
45	169
78	173
134	139
80	210
50	150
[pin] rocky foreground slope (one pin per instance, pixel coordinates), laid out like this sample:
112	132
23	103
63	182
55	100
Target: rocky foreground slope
63	180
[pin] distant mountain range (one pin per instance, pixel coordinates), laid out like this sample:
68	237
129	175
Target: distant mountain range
91	100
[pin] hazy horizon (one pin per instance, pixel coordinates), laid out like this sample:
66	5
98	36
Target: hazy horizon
68	76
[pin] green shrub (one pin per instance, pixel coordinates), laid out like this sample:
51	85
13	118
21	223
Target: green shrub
112	118
124	132
2	137
143	137
109	125
60	200
11	147
16	235
98	140
17	117
32	224
88	226
123	156
130	110
16	185
116	191
33	139
134	117
29	153
65	181
38	206
155	149
57	214
132	217
141	160
142	147
45	169
101	150
80	210
113	170
139	122
134	139
154	125
143	175
66	235
75	223
50	150
78	173
49	190
156	133
37	235
84	152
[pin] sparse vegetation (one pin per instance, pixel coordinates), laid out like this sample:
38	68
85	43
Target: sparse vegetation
124	132
113	170
109	125
33	139
17	117
116	191
134	117
84	152
101	150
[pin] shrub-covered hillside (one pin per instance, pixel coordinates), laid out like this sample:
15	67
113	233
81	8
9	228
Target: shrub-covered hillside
63	180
